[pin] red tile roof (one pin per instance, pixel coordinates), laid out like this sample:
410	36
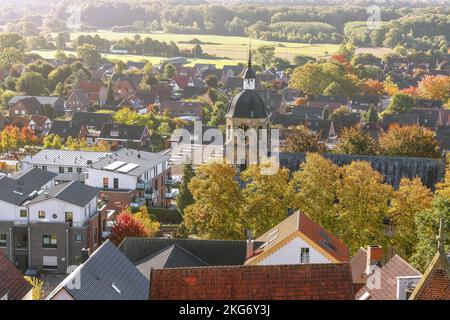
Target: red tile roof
395	267
12	281
272	282
182	81
435	283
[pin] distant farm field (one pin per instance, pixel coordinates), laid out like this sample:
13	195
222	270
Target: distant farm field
234	48
229	50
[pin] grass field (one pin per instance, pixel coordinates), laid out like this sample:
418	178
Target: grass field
229	50
234	48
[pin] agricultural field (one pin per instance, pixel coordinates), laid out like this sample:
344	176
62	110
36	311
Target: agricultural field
228	50
234	48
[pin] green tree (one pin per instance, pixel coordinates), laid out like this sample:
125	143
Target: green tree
427	223
401	103
110	99
407	202
312	190
301	139
355	141
218	200
371	116
362	206
409	141
169	71
184	197
265	200
52	141
89	54
60	41
264	55
31	83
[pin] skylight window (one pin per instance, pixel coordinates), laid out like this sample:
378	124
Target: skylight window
116	288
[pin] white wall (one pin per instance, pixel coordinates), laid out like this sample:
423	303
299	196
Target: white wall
290	254
62	295
95	179
10	212
58	207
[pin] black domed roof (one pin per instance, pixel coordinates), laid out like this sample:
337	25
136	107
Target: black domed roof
247	104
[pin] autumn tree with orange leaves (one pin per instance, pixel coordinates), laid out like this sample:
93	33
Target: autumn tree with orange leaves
435	87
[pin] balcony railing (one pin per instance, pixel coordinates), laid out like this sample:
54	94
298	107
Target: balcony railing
143	185
172	194
172	181
137	203
149	196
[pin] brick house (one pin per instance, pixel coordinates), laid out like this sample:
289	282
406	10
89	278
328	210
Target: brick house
26	107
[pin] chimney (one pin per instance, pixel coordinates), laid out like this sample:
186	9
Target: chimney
85	253
250	244
374	256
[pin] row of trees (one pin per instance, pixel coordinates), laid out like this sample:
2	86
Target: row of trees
352	202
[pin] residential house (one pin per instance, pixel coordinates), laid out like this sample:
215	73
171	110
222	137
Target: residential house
65	219
399	119
178	83
435	282
77	101
133	178
66	129
124	89
431	104
13	286
106	275
229	71
331	102
298	240
93	122
428	118
69	165
274	282
55	103
375	280
183	109
40	124
361	103
443	137
173	256
202	70
95	91
212	252
43	225
26	107
274	101
125	135
192	92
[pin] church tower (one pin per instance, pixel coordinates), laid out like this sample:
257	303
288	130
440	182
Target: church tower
247	114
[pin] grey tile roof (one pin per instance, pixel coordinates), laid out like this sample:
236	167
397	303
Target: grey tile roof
213	252
105	269
73	192
125	132
51	101
17	188
145	160
65	129
64	157
93	119
170	257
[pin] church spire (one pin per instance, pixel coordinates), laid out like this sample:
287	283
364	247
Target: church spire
249	74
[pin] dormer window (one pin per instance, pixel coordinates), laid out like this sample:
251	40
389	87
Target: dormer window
114	133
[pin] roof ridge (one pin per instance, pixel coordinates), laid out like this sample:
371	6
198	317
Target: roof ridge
407	263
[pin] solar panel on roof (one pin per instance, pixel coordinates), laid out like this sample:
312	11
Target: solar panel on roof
115	165
128	167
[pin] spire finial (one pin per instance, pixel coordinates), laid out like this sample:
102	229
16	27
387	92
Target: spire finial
250	53
440	238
